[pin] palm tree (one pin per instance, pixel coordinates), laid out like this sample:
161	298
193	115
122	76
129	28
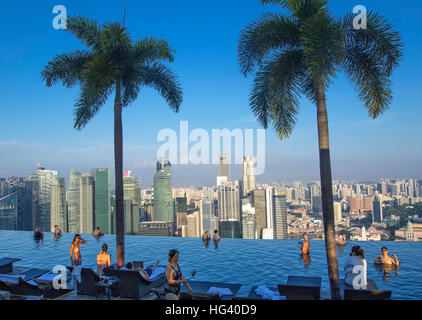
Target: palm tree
300	54
112	63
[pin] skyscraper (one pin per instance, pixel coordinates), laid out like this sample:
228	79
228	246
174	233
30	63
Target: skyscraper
46	178
223	170
206	214
163	195
248	176
229	210
102	199
58	205
377	213
268	232
337	212
9	212
248	220
73	202
280	216
258	200
132	202
86	203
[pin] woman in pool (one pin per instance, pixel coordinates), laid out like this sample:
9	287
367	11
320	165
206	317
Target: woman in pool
174	277
75	250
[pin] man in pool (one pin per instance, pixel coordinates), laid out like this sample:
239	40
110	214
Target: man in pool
304	246
384	258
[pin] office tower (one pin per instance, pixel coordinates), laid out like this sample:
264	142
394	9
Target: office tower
33	187
46	178
410	188
280	216
367	204
132	202
355	205
102	200
248	176
248	220
268	232
181	206
337	212
3	187
206	215
382	187
258	201
396	189
377	213
163	198
24	203
316	204
223	175
228	202
229	229
58	205
86	203
73	202
194	225
9	212
156	228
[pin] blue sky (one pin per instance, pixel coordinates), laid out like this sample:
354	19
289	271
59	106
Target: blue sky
37	122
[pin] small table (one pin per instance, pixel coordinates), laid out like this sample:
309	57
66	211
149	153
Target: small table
110	284
304	281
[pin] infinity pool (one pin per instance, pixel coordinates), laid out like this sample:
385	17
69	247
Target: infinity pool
247	262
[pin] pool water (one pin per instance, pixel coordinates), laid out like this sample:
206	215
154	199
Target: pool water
247	262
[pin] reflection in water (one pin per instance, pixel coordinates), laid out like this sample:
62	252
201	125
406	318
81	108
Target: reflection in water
306	259
387	270
341	248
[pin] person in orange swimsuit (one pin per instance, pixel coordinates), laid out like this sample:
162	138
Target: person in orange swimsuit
75	250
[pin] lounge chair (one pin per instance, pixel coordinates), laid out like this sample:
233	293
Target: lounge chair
352	294
199	296
132	284
88	278
254	296
204	286
293	292
45	284
22	284
161	295
6	264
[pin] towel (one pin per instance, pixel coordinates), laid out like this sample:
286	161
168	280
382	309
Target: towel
76	274
157	272
266	293
220	291
12	279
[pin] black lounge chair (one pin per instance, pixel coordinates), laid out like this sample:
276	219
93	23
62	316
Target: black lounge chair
48	290
199	296
254	296
204	286
293	292
161	295
132	284
6	264
352	294
88	278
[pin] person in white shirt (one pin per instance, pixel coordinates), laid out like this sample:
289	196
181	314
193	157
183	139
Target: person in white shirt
355	269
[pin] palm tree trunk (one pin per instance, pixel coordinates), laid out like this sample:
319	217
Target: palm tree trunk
118	164
327	193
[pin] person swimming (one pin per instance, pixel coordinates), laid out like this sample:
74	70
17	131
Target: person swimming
97	233
304	246
75	250
384	258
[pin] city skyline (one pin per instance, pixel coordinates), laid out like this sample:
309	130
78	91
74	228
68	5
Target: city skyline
361	148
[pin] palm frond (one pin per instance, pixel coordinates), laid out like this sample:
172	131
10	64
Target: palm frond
65	67
270	32
162	79
301	9
86	30
116	42
370	57
148	50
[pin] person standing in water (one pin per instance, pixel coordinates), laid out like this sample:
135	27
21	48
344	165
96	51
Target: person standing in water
206	238
304	246
75	250
216	238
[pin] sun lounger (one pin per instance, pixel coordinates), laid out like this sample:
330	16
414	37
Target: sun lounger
133	284
371	292
293	292
161	295
88	278
6	264
204	287
45	284
253	295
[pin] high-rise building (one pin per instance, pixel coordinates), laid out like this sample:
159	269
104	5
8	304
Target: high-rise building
229	229
337	212
367	204
33	188
382	187
248	220
9	212
73	201
268	232
223	175
206	215
132	202
258	201
355	204
163	195
228	202
317	204
280	216
86	203
377	213
46	178
248	176
102	200
58	205
194	225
